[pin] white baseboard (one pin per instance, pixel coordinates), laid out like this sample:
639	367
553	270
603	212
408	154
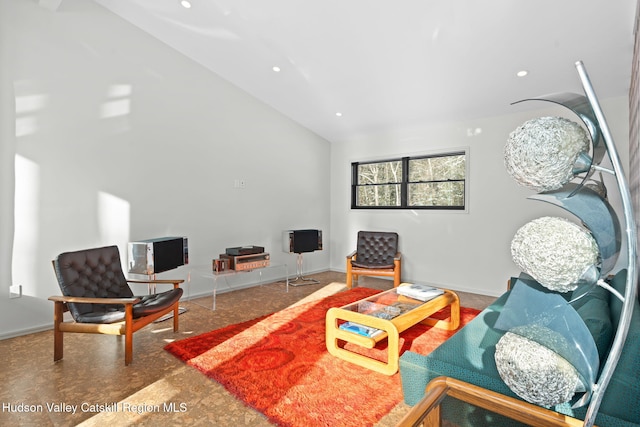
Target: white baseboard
26	331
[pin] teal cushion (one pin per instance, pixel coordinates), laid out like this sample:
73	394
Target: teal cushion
623	392
593	307
469	353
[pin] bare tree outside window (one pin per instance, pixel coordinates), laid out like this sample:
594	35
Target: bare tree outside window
379	184
427	182
437	181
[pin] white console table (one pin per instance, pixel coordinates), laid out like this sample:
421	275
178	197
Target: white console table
224	276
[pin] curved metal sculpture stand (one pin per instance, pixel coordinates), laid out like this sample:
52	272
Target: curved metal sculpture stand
630	231
589	111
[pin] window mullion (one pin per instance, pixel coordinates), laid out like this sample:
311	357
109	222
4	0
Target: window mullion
404	185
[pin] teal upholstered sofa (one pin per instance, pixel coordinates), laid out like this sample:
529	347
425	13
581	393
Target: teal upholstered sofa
469	356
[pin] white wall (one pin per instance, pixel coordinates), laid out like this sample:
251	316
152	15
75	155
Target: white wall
463	251
116	137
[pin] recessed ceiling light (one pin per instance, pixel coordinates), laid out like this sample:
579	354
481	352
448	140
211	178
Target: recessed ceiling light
186	4
276	69
522	73
339	114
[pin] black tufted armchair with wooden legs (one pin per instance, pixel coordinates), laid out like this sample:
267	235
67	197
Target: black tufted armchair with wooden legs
96	292
376	255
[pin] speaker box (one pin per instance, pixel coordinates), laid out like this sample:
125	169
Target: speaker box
153	256
300	241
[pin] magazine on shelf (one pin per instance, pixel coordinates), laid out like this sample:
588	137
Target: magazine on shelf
357	328
419	292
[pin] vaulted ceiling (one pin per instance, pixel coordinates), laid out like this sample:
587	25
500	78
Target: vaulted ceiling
352	67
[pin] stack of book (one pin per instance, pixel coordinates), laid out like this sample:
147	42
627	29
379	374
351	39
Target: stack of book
419	292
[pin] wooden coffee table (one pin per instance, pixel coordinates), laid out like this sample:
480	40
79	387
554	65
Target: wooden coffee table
385	304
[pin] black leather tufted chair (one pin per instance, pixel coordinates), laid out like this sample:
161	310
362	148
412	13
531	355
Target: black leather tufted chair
376	255
100	300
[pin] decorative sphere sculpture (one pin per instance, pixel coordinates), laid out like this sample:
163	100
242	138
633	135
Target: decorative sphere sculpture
555	252
534	372
541	153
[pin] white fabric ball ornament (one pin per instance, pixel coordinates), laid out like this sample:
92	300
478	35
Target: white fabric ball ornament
535	373
555	252
540	154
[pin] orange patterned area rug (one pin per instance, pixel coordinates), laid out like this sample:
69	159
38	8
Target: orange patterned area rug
279	365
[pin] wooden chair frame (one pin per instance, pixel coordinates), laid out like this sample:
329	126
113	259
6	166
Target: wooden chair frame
126	327
386	272
426	413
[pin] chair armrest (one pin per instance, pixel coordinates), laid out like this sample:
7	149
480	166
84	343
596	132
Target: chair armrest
398	256
85	300
176	282
352	254
509	407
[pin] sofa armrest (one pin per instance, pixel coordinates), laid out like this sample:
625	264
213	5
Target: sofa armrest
426	412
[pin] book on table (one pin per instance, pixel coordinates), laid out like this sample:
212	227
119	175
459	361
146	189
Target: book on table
357	328
419	292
